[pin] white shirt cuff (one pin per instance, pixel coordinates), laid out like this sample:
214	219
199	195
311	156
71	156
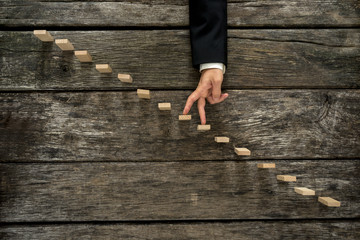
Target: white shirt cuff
220	66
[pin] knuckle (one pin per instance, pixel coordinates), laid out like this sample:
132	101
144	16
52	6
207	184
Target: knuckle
192	98
217	80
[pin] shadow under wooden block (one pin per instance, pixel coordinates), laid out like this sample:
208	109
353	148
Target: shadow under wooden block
125	78
103	68
242	151
64	44
43	35
164	106
83	56
286	178
304	191
142	93
328	201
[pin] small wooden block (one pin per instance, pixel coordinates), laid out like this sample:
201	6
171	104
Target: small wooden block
266	165
164	106
43	35
143	93
242	151
83	56
184	117
64	44
304	191
125	78
328	201
222	139
286	178
203	127
103	68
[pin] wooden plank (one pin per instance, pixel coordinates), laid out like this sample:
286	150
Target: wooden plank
184	117
64	44
286	178
331	13
206	127
222	139
143	93
242	151
321	229
125	78
304	191
43	35
174	191
83	56
328	201
164	106
257	59
117	126
266	165
103	68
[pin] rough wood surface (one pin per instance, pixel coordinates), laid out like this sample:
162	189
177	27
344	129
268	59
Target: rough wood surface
320	229
118	126
257	58
156	171
292	13
174	191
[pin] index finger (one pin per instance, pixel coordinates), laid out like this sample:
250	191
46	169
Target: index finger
190	101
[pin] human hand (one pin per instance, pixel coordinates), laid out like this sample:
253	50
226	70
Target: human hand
209	88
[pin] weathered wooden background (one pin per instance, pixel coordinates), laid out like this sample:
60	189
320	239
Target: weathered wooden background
82	157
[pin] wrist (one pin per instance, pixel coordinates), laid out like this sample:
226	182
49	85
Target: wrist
220	66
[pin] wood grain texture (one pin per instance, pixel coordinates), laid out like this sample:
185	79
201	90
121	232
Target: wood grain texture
241	13
165	191
174	191
320	229
118	126
257	59
55	178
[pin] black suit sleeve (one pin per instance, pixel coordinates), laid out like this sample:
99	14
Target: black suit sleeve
208	31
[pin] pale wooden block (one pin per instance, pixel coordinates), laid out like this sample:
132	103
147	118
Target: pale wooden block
266	165
304	191
125	78
286	178
64	44
43	35
242	151
103	68
184	117
194	198
203	127
222	139
142	93
164	106
328	201
83	56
